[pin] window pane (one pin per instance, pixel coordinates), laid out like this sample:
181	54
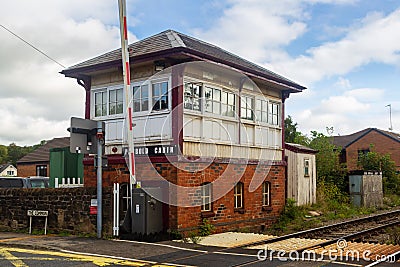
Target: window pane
217	95
145	91
136	106
216	107
224	98
145	104
113	96
231	99
136	92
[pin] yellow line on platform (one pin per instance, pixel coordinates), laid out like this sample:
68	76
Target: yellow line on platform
11	258
99	261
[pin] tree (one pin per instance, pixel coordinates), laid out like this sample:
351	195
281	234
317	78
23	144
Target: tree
292	135
373	161
3	154
329	169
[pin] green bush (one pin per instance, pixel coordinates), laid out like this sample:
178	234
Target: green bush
206	228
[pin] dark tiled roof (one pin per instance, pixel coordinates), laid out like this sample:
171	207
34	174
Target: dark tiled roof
346	140
42	154
170	40
300	148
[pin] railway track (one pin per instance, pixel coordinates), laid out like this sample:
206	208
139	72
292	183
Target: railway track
339	238
337	230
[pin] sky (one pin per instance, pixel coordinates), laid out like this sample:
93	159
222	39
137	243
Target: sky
346	52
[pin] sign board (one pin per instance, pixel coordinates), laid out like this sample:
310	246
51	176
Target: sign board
93	202
160	150
83	136
93	210
40	213
37	213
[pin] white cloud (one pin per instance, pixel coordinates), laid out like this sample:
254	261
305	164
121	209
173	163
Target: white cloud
257	29
366	94
373	40
37	101
343	83
354	110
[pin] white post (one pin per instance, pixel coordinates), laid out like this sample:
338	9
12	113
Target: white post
116	210
56	182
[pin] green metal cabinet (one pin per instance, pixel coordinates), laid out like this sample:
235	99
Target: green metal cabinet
63	163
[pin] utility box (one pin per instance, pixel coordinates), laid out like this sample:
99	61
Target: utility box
147	211
366	189
65	164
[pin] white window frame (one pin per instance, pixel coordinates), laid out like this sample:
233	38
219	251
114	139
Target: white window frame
141	98
272	115
150	83
307	165
159	97
116	102
244	106
206	192
238	196
188	99
219	101
261	111
266	194
106	91
103	105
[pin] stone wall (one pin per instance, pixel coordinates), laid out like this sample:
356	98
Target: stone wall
68	209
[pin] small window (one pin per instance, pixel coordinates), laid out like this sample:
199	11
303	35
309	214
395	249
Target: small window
213	100
306	167
266	194
10	173
140	98
41	170
206	191
273	113
115	102
228	104
160	96
246	109
192	95
261	110
100	104
238	196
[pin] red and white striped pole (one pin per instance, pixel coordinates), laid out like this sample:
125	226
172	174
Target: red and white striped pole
127	89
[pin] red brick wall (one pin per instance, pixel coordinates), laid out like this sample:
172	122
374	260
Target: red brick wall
381	144
25	170
223	215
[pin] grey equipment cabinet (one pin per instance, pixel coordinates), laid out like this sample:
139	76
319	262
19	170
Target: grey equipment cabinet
147	211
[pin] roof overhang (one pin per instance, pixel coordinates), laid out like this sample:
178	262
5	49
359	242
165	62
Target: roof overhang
78	73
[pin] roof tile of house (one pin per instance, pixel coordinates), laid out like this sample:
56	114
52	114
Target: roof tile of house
170	40
346	140
42	154
300	148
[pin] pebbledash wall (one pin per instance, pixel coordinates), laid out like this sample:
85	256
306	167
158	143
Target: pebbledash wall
68	209
254	216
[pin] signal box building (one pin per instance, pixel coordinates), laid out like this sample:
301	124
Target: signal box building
208	129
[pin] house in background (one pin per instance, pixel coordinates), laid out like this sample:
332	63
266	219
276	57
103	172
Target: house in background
216	116
370	139
37	162
8	170
301	174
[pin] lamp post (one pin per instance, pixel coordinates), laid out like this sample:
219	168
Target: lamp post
390	116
